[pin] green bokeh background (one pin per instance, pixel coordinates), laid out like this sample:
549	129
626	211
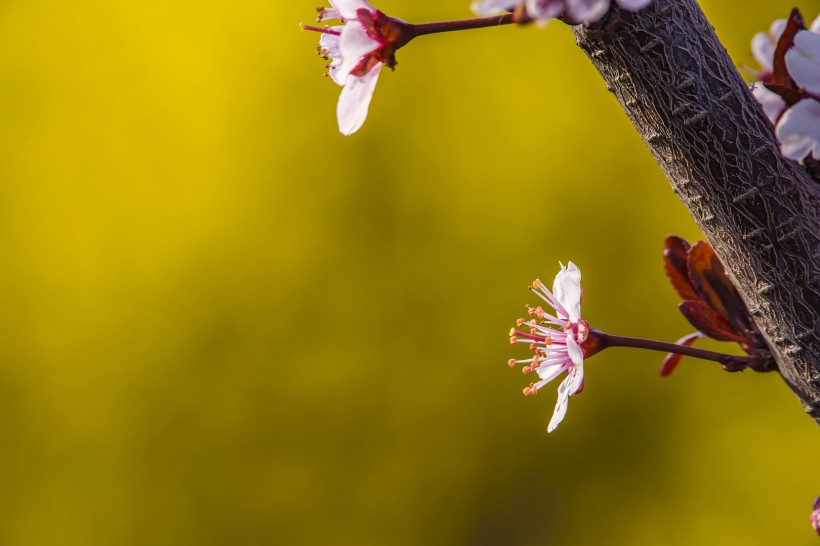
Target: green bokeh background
225	323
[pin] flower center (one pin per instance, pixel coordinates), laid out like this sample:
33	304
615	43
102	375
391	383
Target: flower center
389	32
581	331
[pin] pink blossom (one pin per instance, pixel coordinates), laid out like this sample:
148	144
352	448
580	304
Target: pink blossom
580	11
773	105
803	61
798	130
357	49
556	339
763	46
815	515
765	43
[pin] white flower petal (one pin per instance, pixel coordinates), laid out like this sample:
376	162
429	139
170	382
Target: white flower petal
803	61
354	43
763	50
799	130
544	10
815	26
333	72
771	102
330	42
570	385
348	8
351	110
763	44
776	29
576	374
560	405
634	5
586	10
575	353
548	373
491	7
567	290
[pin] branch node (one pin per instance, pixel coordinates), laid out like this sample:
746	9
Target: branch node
650	45
745	195
686	84
765	289
790	235
697	118
786	223
794	350
753	234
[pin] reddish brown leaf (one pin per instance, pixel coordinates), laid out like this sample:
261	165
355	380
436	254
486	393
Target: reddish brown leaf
710	323
674	262
700	262
781	73
673	359
716	290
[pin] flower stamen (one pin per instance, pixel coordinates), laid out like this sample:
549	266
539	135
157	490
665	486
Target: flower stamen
531	390
321	30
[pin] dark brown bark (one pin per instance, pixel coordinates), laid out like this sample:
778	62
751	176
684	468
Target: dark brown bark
760	211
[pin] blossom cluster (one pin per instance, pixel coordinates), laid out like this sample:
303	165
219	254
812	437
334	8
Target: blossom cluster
789	87
573	11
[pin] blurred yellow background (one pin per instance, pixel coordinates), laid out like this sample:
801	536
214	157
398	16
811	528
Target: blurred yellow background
225	323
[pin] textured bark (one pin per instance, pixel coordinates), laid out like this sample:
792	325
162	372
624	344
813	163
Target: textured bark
760	211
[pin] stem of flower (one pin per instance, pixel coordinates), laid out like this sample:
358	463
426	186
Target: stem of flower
463	24
607	340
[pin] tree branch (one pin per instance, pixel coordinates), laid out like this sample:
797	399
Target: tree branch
760	211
